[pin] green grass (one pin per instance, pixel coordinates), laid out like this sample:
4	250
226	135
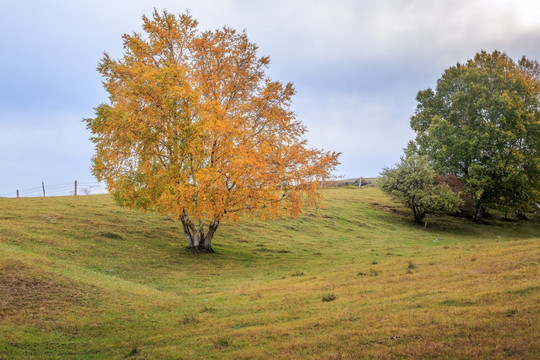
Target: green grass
81	278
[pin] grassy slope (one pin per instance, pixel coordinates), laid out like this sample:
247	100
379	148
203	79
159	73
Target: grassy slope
83	278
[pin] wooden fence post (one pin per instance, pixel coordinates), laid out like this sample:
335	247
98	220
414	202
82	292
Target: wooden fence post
75	188
17	194
43	186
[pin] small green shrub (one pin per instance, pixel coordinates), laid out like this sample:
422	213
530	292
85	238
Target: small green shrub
329	297
191	318
223	342
206	308
134	348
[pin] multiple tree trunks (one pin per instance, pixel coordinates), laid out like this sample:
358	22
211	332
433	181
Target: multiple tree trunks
196	236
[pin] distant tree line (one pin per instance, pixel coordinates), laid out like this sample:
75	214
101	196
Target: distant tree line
356	182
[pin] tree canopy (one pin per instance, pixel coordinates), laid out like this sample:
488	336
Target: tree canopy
482	124
195	129
414	183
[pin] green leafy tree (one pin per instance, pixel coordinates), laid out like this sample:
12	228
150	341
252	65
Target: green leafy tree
414	183
482	124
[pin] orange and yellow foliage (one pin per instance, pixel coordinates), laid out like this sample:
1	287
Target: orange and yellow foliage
195	129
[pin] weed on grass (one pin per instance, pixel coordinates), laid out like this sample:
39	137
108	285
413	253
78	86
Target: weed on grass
328	297
134	349
110	235
410	267
511	313
207	308
223	342
191	318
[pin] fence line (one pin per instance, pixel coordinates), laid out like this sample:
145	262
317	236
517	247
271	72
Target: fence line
75	188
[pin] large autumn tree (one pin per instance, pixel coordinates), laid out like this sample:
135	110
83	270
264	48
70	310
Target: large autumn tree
195	129
482	124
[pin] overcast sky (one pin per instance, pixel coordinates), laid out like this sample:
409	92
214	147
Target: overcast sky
356	65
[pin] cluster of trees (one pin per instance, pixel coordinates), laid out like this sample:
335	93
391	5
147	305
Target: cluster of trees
481	125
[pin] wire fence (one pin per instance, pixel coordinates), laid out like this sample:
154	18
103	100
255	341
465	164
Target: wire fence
74	188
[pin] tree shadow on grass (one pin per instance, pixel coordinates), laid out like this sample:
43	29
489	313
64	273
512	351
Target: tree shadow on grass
493	226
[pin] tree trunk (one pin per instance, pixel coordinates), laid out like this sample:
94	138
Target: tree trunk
419	216
207	243
520	214
195	235
480	211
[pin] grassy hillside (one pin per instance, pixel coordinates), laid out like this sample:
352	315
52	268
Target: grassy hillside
81	278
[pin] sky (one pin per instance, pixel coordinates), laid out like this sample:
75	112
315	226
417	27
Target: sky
357	66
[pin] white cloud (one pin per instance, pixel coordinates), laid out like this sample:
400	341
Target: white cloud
364	31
